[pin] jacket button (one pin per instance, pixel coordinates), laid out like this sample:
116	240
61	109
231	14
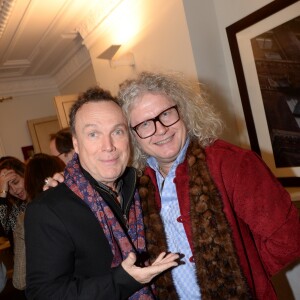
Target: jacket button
179	219
192	259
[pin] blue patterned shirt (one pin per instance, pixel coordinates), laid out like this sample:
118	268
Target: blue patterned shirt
184	275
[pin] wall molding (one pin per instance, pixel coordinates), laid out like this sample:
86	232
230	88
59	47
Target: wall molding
39	84
5	12
75	65
27	86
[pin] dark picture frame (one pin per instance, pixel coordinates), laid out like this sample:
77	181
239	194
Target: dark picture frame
28	152
280	149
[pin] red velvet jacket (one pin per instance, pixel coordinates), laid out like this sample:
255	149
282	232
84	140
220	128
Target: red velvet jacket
264	222
258	209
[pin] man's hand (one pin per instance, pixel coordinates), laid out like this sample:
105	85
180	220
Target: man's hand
53	181
146	274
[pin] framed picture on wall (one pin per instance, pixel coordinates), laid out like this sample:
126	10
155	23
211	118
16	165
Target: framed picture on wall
265	48
28	152
40	130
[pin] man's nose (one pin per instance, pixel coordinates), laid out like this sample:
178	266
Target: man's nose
160	127
107	144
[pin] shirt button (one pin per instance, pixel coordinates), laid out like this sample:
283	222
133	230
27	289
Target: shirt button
179	219
192	259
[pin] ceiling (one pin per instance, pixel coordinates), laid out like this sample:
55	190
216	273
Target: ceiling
37	37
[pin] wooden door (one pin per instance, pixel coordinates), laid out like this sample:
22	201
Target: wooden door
63	104
40	130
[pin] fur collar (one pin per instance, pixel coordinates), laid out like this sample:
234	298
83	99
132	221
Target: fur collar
217	268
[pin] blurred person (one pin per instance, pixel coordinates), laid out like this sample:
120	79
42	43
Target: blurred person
2	158
38	168
61	144
12	194
217	204
84	237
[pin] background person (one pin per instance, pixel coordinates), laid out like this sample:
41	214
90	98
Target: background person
38	168
12	194
84	236
61	144
217	204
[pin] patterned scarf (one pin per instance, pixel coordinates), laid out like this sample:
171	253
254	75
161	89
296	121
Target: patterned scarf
121	242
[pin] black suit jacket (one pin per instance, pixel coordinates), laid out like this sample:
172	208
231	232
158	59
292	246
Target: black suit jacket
67	253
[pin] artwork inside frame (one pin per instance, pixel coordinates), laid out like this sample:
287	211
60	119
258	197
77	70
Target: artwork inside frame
28	152
265	48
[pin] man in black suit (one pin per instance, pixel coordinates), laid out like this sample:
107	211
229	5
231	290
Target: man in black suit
85	238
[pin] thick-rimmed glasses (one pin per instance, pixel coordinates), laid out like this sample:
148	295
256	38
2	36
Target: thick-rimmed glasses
167	118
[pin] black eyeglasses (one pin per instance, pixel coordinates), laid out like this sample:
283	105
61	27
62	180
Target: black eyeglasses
167	118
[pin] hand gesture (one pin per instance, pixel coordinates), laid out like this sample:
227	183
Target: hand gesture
53	181
146	274
5	177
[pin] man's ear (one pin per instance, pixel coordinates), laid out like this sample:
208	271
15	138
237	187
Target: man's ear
75	144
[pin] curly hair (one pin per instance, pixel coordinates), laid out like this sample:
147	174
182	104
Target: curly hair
94	94
201	120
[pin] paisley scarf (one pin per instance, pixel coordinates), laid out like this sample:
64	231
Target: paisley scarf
121	242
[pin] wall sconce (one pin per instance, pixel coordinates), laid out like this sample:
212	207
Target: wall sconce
5	98
124	60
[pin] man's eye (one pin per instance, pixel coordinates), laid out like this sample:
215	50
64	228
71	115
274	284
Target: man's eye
119	132
166	113
92	134
145	124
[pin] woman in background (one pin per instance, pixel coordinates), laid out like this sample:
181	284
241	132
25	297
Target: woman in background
12	194
38	168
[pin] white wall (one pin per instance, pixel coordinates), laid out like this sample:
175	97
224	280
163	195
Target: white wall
160	42
82	82
14	114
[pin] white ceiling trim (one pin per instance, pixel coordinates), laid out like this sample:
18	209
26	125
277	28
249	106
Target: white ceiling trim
6	7
16	73
77	47
28	86
17	63
36	51
19	67
16	35
76	64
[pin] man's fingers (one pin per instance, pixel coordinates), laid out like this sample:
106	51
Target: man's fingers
53	181
129	261
165	258
144	275
59	177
